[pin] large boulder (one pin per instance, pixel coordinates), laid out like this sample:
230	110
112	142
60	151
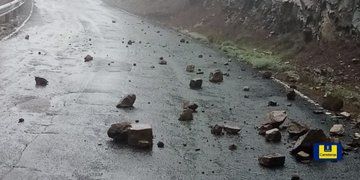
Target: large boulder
140	136
306	142
127	101
273	120
272	160
216	76
333	103
119	131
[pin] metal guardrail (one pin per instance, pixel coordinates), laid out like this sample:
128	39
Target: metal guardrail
11	6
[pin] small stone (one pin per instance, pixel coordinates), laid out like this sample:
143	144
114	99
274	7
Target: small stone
152	67
217	130
296	129
216	76
272	103
246	88
355	60
21	120
113	21
295	177
160	144
88	58
201	56
190	68
27	37
272	160
127	102
232	147
273	135
346	115
134	64
303	157
41	82
190	105
163	62
186	115
196	83
337	130
130	42
291	95
182	40
267	75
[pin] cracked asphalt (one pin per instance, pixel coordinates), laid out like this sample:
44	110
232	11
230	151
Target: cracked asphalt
64	133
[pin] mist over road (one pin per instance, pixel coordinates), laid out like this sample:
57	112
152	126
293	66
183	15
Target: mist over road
63	135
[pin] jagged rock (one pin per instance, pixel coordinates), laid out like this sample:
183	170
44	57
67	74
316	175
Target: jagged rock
186	115
291	95
272	103
127	101
216	76
190	68
196	83
21	120
41	81
88	58
306	142
333	103
267	75
119	131
303	157
273	120
296	129
217	130
27	37
190	105
140	136
272	160
337	130
273	135
231	129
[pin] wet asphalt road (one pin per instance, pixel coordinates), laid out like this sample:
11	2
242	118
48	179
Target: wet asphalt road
64	133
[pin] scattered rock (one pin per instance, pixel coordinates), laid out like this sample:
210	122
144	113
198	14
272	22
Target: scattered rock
337	130
163	62
27	37
186	115
296	129
217	130
273	120
318	111
267	75
119	131
232	147
41	82
182	40
273	135
190	105
127	102
295	177
88	58
231	129
355	60
21	120
113	21
291	95
190	68
130	42
201	56
272	160
333	103
140	136
306	142
246	88
196	83
303	157
216	76
346	115
160	144
272	103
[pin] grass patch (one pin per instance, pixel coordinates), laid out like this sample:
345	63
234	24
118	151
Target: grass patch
259	59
